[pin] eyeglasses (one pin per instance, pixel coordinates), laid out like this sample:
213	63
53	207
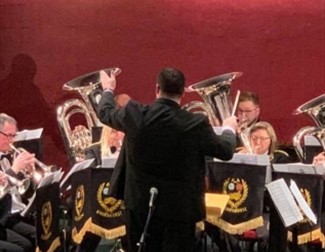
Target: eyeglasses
246	111
262	139
8	135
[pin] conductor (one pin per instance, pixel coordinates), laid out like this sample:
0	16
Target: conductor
165	148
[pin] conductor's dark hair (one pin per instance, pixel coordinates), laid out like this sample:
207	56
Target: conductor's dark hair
171	81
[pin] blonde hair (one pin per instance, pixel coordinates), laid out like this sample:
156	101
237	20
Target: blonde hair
104	146
271	133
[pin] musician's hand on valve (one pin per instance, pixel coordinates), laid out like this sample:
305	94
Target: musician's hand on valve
108	81
231	122
23	162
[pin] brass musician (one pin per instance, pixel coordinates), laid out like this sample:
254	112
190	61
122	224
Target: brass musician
17	232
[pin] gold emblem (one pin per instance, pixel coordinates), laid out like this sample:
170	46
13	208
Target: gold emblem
46	217
110	207
79	202
237	189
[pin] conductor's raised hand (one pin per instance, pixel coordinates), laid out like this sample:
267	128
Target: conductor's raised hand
108	81
231	122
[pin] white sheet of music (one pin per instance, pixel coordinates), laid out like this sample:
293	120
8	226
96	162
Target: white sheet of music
45	181
77	167
29	134
297	168
245	158
302	202
109	162
284	202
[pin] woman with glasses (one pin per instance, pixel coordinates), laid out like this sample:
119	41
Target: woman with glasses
263	140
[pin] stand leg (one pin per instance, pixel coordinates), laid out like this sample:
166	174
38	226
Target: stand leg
141	243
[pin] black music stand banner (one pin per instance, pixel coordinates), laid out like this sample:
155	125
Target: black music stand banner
244	183
311	186
94	211
47	217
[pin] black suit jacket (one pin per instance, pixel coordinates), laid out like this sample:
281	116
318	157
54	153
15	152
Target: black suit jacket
165	147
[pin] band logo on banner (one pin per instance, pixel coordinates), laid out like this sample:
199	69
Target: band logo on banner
47	217
94	210
244	184
311	187
110	207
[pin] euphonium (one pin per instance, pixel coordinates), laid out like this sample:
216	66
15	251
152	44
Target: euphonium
315	108
77	139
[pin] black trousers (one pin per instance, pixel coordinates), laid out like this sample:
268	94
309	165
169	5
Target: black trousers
163	235
19	234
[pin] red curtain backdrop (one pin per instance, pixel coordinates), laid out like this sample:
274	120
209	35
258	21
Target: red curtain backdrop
277	44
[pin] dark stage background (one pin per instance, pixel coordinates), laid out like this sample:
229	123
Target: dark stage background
278	45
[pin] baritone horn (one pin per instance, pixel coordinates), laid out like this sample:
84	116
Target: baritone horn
77	136
215	93
314	108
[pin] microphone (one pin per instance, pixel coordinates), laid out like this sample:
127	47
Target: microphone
153	196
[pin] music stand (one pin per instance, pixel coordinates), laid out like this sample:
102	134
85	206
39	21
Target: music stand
310	183
243	178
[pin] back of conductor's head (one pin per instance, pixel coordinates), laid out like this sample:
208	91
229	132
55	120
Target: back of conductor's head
171	82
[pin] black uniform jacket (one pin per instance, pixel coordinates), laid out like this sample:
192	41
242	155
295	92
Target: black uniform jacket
165	147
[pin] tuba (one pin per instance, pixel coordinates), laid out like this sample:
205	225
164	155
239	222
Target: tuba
315	108
217	104
78	136
215	93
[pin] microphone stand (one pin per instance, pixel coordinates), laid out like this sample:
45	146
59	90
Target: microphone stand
141	243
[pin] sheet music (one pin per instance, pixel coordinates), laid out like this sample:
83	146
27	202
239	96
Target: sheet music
245	158
302	202
320	169
284	202
77	167
28	134
109	162
44	181
311	141
296	168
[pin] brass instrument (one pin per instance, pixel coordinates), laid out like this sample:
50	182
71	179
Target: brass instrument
43	168
215	93
217	104
315	108
78	138
22	186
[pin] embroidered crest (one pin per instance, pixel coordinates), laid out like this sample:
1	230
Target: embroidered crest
237	189
110	207
79	202
46	218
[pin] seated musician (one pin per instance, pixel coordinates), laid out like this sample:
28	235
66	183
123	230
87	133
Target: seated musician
263	140
248	111
17	232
